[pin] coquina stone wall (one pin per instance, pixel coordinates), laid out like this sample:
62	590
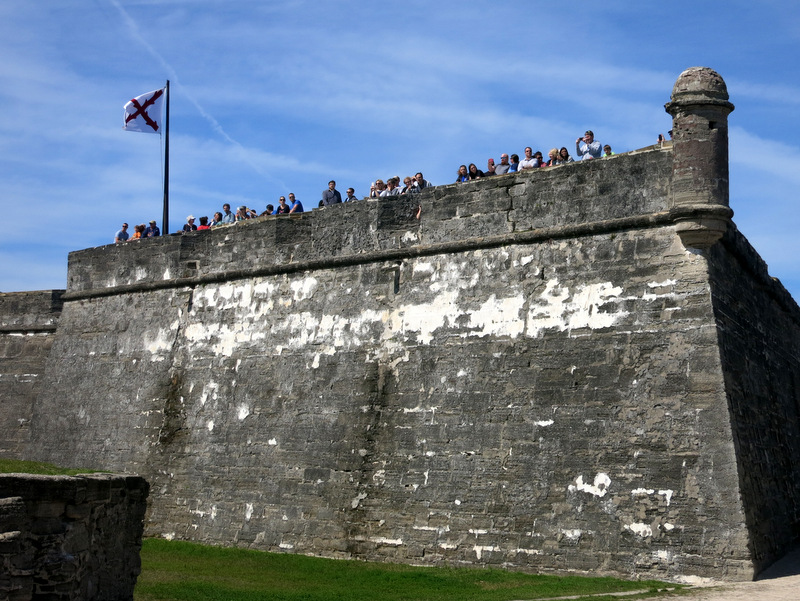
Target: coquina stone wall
70	538
563	369
28	323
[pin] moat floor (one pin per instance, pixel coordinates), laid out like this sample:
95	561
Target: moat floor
779	582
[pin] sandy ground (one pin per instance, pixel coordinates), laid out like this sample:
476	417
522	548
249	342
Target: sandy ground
779	582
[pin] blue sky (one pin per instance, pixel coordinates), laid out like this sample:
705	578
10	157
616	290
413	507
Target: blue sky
277	97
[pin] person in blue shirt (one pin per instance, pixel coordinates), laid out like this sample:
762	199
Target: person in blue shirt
122	235
151	231
228	216
297	206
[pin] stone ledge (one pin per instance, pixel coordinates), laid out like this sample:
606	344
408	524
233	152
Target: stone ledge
79	534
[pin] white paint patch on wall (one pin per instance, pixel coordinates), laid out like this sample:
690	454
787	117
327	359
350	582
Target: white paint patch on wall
303	289
666	493
210	390
640	529
544	423
498	317
162	341
528	551
242	412
598	489
425	318
380	540
558	308
481	549
514	314
248	511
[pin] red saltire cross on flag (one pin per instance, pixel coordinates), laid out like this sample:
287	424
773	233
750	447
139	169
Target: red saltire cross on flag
143	113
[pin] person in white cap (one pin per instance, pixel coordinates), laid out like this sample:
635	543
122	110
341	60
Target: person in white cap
189	226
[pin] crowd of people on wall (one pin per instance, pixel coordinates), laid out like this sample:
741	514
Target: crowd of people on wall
586	147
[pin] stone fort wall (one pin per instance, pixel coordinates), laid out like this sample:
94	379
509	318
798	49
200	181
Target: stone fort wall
70	538
28	323
578	368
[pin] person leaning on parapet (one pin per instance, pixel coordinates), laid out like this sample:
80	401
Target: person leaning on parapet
392	187
376	188
563	155
268	211
474	172
462	175
529	162
242	214
503	166
297	206
122	235
421	182
282	208
607	151
151	231
408	186
587	147
203	223
331	196
217	219
351	195
227	215
189	226
513	163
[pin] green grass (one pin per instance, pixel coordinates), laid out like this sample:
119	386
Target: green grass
12	466
182	571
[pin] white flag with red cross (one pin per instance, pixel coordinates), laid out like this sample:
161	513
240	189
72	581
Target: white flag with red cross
144	113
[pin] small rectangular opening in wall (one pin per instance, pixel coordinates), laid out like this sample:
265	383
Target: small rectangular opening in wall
192	265
394	270
712	125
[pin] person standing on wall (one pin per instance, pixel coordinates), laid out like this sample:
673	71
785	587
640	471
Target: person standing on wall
297	206
587	147
122	235
331	196
152	230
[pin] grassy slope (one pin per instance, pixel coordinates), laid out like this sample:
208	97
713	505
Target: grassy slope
182	571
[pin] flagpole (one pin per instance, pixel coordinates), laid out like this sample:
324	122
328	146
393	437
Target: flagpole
165	217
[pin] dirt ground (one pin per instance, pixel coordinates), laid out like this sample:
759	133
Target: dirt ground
779	582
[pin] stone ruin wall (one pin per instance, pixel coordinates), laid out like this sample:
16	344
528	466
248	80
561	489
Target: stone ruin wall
537	374
70	538
27	328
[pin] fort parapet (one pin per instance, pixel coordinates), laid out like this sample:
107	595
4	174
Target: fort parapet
584	367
